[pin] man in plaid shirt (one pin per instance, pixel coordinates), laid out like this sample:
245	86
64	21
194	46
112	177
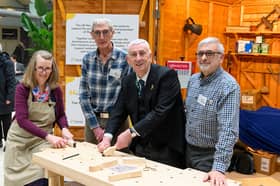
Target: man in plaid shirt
100	83
212	112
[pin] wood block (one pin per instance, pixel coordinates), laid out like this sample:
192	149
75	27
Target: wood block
94	168
134	161
109	163
104	164
121	172
109	151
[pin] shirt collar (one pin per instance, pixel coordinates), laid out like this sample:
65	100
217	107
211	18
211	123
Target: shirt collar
211	76
145	77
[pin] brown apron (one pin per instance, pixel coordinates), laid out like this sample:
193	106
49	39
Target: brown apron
18	167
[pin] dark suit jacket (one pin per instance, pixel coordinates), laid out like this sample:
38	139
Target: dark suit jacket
164	123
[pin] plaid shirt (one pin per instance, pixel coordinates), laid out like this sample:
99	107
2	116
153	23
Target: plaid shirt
100	83
212	111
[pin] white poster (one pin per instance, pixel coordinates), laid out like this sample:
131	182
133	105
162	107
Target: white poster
79	40
73	109
183	69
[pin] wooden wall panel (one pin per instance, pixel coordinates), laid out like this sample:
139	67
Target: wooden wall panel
257	72
172	21
253	11
214	16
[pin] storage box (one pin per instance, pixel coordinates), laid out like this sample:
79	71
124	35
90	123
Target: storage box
265	162
250	99
264	48
240	46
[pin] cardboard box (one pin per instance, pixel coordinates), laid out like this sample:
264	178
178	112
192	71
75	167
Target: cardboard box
250	99
265	162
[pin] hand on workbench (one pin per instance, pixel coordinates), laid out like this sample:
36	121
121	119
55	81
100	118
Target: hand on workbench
123	140
216	178
56	141
99	133
67	134
104	144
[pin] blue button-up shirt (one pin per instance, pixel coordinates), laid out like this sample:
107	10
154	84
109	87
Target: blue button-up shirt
212	112
101	83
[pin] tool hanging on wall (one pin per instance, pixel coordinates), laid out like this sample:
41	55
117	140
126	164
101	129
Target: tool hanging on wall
265	20
194	28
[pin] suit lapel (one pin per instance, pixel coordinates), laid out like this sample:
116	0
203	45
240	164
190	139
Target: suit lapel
150	86
132	94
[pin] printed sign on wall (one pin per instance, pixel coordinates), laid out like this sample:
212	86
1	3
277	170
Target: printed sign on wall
183	69
73	109
79	40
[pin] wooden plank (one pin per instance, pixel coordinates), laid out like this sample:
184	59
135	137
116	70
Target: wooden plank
141	162
116	176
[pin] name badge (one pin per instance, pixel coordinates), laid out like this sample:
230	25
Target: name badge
115	73
202	100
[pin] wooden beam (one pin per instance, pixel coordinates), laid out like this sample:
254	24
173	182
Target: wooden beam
55	179
142	10
151	34
103	6
62	9
54	29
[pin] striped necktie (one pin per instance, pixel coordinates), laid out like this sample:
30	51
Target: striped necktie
140	85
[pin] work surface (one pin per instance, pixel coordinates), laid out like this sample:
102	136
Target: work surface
103	169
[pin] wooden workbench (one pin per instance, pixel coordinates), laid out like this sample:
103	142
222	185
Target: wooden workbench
77	169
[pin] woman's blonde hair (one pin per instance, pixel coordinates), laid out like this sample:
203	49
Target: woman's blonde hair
29	79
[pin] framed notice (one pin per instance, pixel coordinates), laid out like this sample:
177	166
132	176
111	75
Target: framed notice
183	69
73	109
79	40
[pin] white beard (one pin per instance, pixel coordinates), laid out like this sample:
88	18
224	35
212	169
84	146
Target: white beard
204	68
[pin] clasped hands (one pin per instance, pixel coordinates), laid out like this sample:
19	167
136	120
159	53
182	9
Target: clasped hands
60	142
123	141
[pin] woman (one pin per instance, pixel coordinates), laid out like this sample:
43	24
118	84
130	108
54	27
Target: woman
38	105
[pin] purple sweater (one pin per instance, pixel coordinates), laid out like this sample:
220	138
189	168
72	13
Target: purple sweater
21	107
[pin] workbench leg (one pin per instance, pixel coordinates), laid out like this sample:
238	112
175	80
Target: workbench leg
55	179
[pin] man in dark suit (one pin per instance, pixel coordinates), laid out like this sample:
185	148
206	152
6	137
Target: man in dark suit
155	108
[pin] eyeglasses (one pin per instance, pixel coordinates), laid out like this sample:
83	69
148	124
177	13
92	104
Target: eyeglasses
208	53
42	69
97	33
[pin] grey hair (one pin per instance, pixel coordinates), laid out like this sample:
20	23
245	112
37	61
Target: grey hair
139	41
102	21
214	40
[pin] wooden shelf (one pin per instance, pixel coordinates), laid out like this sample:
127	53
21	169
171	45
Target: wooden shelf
254	54
266	33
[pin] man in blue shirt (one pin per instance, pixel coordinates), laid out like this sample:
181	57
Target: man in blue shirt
100	83
212	112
